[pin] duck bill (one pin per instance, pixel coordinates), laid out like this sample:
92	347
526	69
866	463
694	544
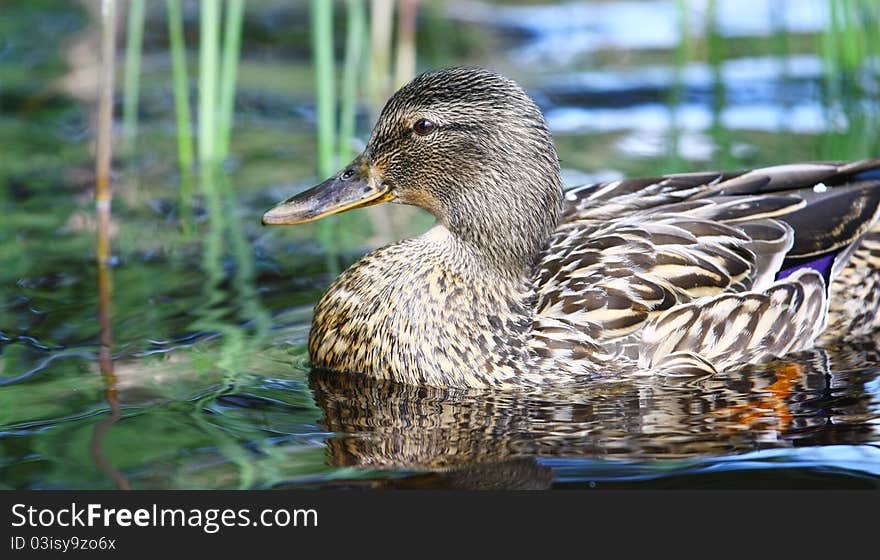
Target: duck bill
356	186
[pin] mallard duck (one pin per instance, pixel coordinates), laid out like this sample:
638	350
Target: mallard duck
522	284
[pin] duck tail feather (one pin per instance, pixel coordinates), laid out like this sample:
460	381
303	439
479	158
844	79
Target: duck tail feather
854	304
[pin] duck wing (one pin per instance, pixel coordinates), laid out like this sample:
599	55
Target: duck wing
612	199
649	252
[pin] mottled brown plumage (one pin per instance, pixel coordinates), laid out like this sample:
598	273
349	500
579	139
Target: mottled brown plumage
521	285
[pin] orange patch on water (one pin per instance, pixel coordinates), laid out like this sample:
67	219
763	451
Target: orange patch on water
770	406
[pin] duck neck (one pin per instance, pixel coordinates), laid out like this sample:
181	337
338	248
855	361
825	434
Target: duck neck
505	229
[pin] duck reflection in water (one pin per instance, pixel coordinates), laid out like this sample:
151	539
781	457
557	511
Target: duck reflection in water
503	440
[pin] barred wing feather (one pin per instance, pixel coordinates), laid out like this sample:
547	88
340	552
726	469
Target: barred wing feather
732	329
693	272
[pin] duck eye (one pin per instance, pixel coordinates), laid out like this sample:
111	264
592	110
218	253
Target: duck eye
424	127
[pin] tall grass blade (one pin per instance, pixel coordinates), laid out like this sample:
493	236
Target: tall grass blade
851	36
181	108
209	36
715	54
355	41
674	161
228	75
781	48
325	101
325	89
131	83
439	34
378	73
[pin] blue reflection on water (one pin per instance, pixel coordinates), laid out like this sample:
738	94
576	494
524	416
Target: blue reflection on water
558	34
855	458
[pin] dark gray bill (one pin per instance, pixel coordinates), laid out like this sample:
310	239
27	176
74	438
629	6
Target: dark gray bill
353	187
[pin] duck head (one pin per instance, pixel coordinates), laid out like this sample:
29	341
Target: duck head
465	144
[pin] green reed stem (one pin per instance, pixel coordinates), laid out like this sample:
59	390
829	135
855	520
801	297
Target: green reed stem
848	39
830	52
228	75
682	55
325	89
715	55
851	37
354	44
439	33
872	20
181	109
209	35
780	46
325	100
131	83
378	71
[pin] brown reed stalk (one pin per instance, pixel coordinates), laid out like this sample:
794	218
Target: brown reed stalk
103	197
405	62
103	194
